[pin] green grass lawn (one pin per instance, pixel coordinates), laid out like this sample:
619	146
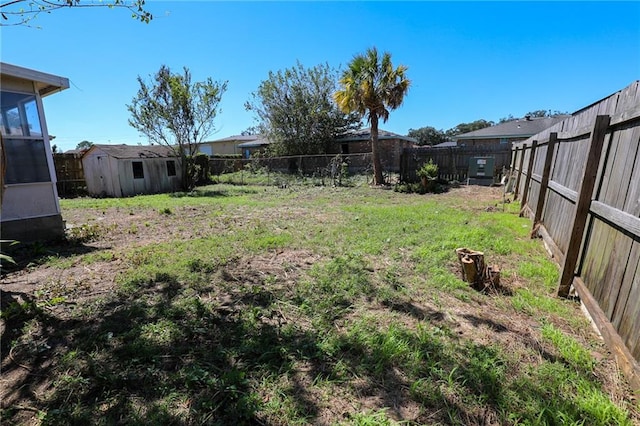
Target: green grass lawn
300	305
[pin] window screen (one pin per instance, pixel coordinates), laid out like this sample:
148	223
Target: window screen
171	168
138	171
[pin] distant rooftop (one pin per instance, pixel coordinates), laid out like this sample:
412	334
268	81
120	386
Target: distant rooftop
365	133
243	138
521	127
257	141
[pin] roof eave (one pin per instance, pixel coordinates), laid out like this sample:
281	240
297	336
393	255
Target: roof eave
46	84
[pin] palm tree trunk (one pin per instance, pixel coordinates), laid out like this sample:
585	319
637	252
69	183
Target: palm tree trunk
378	179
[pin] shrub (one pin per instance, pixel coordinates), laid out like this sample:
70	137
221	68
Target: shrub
428	170
429	174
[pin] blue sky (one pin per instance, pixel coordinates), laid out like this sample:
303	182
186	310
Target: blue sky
467	61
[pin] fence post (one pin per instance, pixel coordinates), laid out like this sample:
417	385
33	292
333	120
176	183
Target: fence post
512	164
544	183
517	188
583	203
527	180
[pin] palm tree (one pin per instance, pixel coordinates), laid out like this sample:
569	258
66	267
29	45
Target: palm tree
371	87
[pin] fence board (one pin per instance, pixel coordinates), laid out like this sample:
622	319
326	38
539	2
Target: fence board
629	283
629	329
594	260
619	348
69	174
629	98
520	162
527	182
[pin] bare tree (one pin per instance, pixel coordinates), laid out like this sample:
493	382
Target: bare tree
21	12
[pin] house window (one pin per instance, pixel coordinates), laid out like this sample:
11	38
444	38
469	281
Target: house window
138	171
171	168
205	149
504	141
345	148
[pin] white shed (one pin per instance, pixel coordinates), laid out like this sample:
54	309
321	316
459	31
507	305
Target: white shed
127	170
30	210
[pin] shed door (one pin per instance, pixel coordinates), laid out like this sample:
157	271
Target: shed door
104	175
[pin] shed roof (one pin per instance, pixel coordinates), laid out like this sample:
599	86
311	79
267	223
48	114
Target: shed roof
517	128
45	83
134	151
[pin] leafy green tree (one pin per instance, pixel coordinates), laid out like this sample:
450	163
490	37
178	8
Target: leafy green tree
428	135
506	119
372	87
294	108
469	127
84	145
251	130
174	112
21	12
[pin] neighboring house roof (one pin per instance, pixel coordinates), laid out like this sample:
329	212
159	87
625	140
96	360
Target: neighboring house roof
44	83
517	128
243	138
447	144
254	141
257	141
134	151
365	134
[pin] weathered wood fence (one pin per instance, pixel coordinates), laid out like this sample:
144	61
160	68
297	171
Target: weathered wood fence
453	162
69	175
579	182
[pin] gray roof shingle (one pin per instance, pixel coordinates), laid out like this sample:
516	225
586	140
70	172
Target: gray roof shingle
135	151
365	133
516	128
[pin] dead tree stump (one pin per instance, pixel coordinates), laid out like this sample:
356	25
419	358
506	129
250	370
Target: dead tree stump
475	272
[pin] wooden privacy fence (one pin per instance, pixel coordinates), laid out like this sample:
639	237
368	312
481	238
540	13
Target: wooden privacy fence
69	175
453	162
579	182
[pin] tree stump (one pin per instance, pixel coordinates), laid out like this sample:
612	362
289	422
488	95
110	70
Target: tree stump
472	263
475	272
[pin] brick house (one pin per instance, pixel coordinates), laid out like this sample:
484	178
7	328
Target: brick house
391	146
